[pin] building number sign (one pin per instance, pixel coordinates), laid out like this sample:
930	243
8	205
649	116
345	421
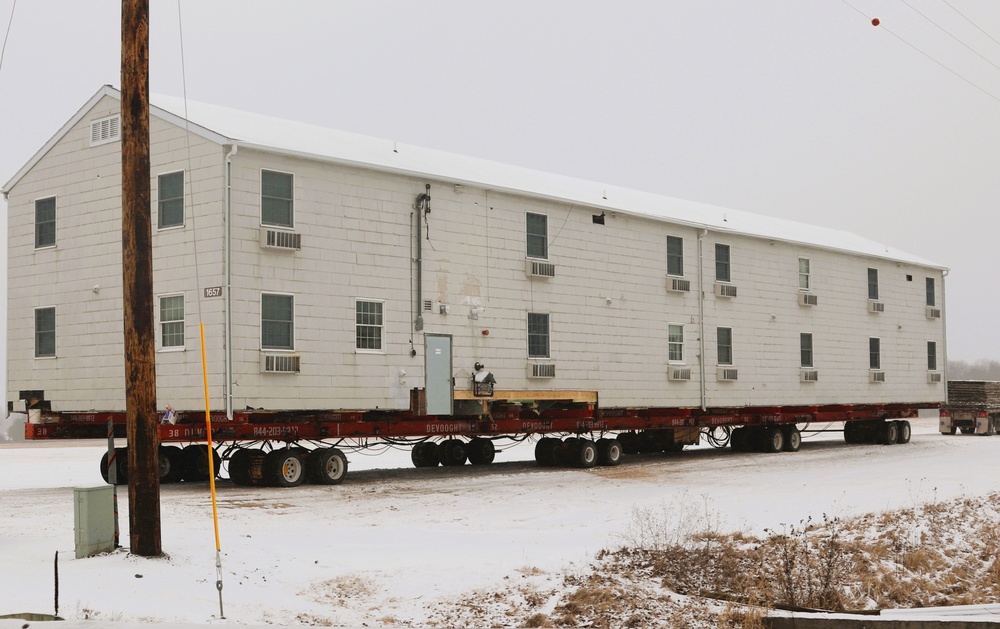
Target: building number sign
214	291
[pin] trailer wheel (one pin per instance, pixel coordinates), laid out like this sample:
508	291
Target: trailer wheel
241	466
424	454
889	433
173	464
284	468
903	432
121	466
327	466
452	452
545	451
793	438
630	442
196	462
739	440
609	452
584	453
772	440
481	451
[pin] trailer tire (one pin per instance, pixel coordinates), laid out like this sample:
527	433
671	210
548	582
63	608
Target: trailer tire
452	452
327	466
630	442
739	440
173	464
889	433
772	440
425	454
283	468
481	451
584	453
121	466
545	451
241	466
793	438
904	432
609	452
196	462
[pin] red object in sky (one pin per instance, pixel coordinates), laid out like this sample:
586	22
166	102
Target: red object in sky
875	21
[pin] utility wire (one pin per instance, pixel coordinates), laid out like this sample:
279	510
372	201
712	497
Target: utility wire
976	26
949	34
7	34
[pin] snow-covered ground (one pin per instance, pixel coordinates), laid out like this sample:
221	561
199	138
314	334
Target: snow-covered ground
393	543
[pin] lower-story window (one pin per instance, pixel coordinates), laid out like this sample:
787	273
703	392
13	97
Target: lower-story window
277	321
45	332
172	321
874	353
675	343
369	321
931	356
538	335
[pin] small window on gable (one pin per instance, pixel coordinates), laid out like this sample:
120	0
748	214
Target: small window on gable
170	200
675	256
805	275
722	264
45	332
537	235
45	223
105	130
276	199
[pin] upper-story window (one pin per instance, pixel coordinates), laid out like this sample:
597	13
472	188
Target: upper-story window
276	198
675	256
45	332
872	283
725	346
538	335
722	265
172	321
369	325
930	291
537	230
805	274
277	321
45	223
170	200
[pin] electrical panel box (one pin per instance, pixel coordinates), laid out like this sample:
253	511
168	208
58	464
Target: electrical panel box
94	520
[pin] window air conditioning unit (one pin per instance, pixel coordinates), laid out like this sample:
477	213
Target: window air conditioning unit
808	375
678	285
279	363
680	373
933	313
808	299
725	290
876	306
541	370
934	377
876	376
728	374
278	239
538	268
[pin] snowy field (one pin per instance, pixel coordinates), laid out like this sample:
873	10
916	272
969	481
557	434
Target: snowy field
393	543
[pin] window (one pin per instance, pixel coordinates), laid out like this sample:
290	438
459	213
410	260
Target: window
675	343
170	200
172	321
930	291
45	332
806	349
369	321
277	321
872	283
675	256
725	346
537	228
874	353
804	275
275	198
722	263
931	356
538	335
45	222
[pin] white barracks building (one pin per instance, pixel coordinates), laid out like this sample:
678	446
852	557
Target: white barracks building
326	279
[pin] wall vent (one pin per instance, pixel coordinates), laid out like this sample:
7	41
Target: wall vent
277	239
680	373
537	268
809	375
105	130
933	313
808	299
876	376
541	370
279	363
725	290
934	377
678	285
428	305
728	374
876	306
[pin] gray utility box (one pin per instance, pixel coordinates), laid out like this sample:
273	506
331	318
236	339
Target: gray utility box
94	520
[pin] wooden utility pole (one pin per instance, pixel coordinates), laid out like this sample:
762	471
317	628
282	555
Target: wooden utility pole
137	269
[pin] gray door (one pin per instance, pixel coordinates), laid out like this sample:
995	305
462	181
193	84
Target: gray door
439	385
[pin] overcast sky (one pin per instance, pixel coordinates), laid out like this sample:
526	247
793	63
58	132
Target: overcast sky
791	108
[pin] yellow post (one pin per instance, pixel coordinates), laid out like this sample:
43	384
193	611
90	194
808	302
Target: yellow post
211	471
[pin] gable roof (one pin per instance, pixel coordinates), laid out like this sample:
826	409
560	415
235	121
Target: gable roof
229	126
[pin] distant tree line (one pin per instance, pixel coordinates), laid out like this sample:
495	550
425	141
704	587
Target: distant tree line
981	369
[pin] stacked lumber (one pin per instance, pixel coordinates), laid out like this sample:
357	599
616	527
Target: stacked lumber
974	394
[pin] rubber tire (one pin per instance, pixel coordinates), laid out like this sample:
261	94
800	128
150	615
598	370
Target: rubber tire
609	452
888	433
584	454
793	438
967	430
630	442
196	462
122	466
481	451
425	454
545	451
452	453
241	466
565	454
771	440
904	431
284	468
173	464
326	466
739	440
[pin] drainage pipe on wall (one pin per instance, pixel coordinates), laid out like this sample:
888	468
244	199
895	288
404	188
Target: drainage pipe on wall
227	263
701	318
